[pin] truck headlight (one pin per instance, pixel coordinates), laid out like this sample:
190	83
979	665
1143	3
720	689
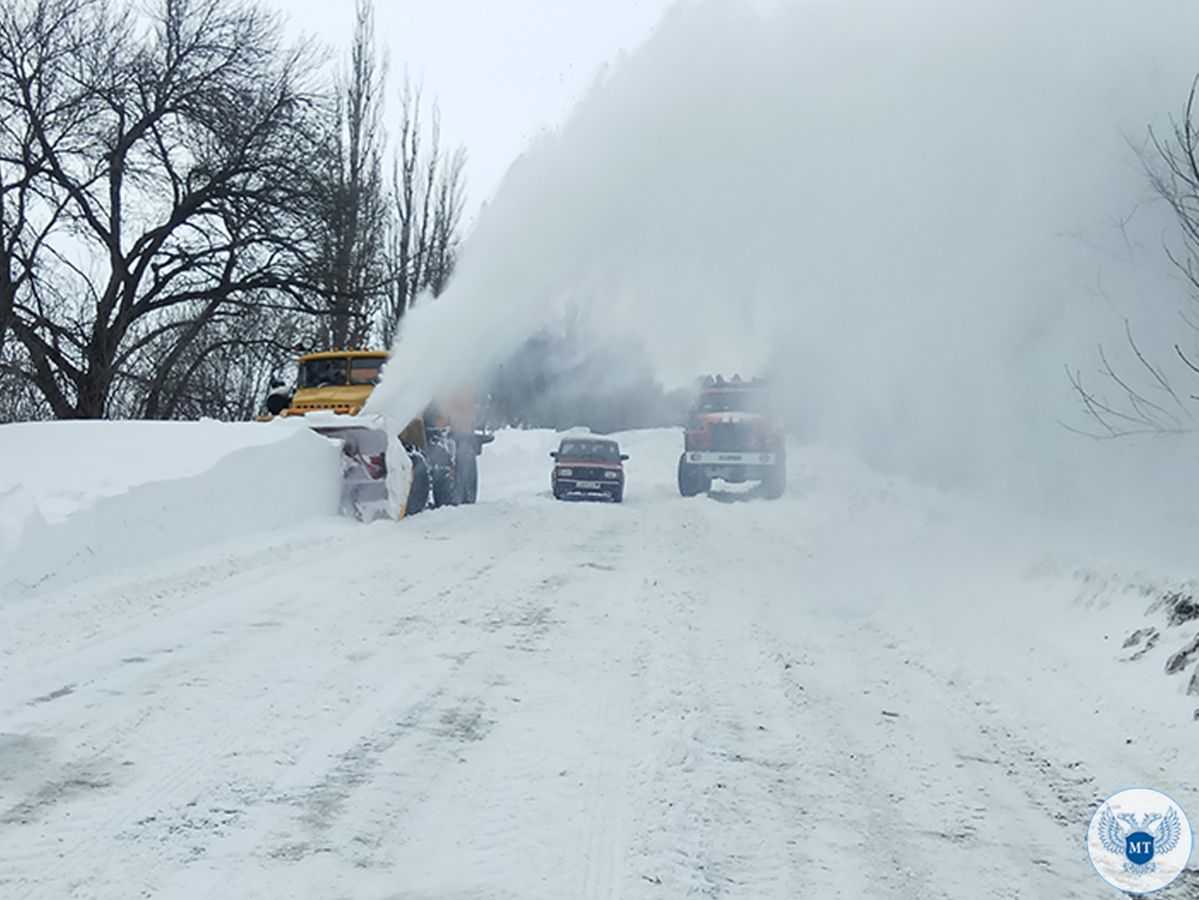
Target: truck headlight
566	473
611	474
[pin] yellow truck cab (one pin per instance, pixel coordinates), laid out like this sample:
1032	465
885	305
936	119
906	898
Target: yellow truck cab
338	381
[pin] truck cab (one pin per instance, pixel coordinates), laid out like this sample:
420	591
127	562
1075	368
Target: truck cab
337	381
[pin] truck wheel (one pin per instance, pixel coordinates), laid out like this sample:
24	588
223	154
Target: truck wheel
440	453
467	474
691	481
774	485
618	495
445	487
418	493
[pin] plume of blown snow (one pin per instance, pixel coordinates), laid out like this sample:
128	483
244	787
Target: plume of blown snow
915	215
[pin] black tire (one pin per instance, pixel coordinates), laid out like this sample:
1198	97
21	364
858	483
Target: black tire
691	482
418	492
774	485
467	474
445	492
276	403
441	472
618	495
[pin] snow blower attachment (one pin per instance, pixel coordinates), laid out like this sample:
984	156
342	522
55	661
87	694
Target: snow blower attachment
386	472
376	472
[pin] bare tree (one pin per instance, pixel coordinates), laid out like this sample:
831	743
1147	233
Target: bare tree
1146	403
1147	395
445	237
350	267
37	53
227	374
428	195
148	170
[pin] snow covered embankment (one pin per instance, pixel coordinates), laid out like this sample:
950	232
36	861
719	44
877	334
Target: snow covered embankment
1168	634
79	499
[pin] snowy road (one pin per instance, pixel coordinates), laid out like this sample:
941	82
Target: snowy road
863	690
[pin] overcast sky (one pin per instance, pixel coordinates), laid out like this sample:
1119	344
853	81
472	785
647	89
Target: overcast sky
501	71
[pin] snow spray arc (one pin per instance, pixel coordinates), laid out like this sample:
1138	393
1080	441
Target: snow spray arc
1139	840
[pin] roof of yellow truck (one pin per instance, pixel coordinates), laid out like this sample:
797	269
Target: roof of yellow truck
346	354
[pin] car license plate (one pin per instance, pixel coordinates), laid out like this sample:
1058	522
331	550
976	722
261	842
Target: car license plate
587	485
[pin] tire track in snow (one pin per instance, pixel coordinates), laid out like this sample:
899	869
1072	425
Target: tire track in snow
537	788
85	616
397	756
602	845
977	784
177	756
723	811
719	815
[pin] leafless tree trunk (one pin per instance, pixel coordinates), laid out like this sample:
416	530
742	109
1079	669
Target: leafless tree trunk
450	192
351	271
428	195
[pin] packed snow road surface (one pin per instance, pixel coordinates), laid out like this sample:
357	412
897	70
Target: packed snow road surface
861	690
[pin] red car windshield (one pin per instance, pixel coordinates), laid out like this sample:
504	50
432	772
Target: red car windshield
589	450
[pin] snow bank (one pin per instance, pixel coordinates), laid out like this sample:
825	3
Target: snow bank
84	498
1155	622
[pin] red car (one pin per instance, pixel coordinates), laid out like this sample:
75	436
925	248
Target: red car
588	467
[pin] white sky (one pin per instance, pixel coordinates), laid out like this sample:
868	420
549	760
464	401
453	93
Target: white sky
501	71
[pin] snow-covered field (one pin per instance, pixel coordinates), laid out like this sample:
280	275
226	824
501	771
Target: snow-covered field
211	687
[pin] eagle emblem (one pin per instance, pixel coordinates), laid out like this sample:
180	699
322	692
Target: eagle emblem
1139	842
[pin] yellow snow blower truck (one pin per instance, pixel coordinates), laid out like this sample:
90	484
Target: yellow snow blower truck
432	459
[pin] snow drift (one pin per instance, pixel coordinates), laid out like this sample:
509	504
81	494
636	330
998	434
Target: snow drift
79	499
917	215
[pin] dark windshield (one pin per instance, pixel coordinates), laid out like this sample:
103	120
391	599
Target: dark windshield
322	372
731	401
589	450
365	371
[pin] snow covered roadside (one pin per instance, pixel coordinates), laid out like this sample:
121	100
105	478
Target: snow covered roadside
79	499
1165	636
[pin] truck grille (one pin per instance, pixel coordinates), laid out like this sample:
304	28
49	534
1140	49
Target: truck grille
730	436
586	473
